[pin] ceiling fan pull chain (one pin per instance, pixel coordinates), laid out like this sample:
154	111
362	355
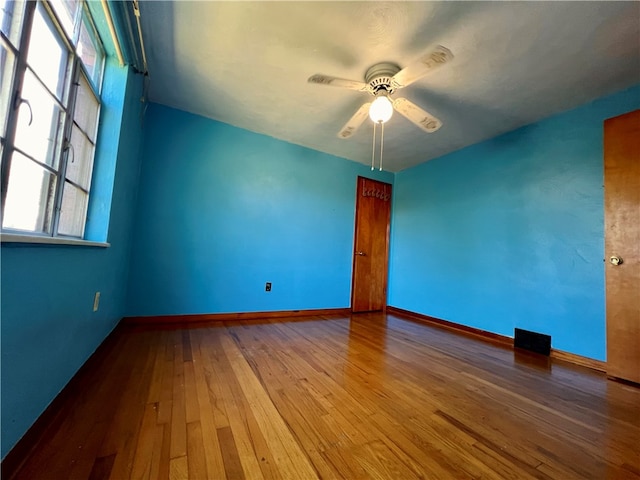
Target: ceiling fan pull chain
373	151
381	142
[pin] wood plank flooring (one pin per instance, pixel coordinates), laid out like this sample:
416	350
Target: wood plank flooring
366	396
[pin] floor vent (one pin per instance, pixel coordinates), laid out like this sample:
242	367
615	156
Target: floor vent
535	342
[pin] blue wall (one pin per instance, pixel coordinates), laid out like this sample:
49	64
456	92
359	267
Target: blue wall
48	326
223	210
510	232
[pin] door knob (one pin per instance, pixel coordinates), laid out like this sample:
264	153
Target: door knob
615	260
362	254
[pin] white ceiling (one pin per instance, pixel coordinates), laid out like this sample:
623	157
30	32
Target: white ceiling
247	64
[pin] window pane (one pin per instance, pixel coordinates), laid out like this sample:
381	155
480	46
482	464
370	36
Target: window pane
67	10
41	139
30	193
7	60
86	109
73	212
11	14
80	159
89	51
47	54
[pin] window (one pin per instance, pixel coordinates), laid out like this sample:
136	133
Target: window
52	63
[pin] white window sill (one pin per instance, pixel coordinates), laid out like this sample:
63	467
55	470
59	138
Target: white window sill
20	238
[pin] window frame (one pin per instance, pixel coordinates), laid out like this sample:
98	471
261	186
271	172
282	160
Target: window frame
74	69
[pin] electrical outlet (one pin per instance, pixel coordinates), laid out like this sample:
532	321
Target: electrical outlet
96	301
267	287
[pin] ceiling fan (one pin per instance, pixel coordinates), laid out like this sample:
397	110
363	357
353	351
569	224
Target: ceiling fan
381	81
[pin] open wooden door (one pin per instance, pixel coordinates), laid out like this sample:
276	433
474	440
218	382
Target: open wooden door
371	246
622	244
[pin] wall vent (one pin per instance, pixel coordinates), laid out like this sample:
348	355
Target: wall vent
532	341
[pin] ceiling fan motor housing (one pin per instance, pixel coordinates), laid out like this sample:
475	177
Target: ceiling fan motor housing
378	78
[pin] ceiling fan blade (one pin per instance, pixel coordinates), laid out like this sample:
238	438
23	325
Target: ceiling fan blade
321	79
427	63
354	122
415	114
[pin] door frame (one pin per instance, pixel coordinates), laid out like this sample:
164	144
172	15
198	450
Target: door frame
355	242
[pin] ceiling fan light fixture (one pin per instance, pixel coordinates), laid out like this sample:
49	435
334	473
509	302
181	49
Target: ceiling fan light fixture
381	109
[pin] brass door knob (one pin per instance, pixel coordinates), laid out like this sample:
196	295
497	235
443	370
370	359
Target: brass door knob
615	260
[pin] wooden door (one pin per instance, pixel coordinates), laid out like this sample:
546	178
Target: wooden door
371	246
622	240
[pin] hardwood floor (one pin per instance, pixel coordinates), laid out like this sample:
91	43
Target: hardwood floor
371	396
